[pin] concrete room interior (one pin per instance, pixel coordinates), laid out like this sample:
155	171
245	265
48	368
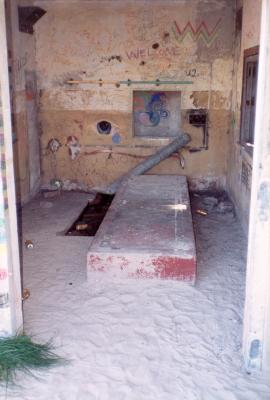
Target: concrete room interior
98	86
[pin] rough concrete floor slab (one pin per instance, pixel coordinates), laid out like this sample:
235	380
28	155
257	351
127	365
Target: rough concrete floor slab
147	231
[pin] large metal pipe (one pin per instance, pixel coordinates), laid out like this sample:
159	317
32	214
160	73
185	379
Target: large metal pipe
150	162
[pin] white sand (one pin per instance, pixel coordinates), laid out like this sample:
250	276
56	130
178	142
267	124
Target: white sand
135	340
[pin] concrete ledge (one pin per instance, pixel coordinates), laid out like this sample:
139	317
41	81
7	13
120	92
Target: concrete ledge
147	232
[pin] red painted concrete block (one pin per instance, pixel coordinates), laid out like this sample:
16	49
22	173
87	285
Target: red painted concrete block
147	232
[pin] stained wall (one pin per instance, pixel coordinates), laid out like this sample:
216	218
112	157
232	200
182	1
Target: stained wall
128	40
21	49
10	282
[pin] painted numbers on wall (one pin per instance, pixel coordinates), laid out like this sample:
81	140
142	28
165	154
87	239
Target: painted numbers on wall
191	72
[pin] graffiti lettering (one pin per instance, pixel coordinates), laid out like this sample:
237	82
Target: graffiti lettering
149	52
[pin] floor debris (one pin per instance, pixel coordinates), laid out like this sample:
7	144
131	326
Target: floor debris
25	294
201	212
90	218
29	244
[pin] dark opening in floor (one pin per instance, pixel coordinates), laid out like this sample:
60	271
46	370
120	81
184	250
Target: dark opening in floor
91	217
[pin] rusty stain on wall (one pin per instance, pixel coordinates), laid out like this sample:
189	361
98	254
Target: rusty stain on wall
200	99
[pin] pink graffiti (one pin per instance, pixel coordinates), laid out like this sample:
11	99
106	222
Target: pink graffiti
138	53
3	274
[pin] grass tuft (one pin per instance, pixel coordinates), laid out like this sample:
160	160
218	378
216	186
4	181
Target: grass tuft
20	353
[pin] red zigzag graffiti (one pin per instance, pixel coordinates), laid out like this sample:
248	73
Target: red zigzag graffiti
202	32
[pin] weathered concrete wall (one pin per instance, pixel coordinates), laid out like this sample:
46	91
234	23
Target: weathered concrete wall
119	40
10	282
239	160
25	128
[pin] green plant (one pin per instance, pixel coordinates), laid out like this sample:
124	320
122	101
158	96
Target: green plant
20	353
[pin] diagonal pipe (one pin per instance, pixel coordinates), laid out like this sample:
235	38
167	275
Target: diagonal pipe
150	162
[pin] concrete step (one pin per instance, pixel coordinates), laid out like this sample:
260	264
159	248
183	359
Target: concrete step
147	231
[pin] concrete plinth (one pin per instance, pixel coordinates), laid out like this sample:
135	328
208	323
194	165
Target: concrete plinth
147	231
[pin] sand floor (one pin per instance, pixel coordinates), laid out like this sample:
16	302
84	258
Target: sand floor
135	339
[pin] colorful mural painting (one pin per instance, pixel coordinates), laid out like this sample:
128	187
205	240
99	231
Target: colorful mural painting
151	108
202	32
4	300
156	113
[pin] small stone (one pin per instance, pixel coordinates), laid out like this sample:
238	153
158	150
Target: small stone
56	183
29	244
81	226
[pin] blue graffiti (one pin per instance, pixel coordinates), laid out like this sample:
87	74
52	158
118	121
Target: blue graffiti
155	110
116	138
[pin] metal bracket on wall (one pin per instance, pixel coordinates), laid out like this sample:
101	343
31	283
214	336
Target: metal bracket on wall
199	119
28	16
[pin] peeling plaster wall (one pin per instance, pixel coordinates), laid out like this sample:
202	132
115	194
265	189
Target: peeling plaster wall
119	40
239	161
25	127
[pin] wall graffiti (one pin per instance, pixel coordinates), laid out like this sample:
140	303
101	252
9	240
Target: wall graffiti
3	274
74	146
142	53
191	72
3	166
3	181
150	109
18	68
156	113
201	32
54	145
